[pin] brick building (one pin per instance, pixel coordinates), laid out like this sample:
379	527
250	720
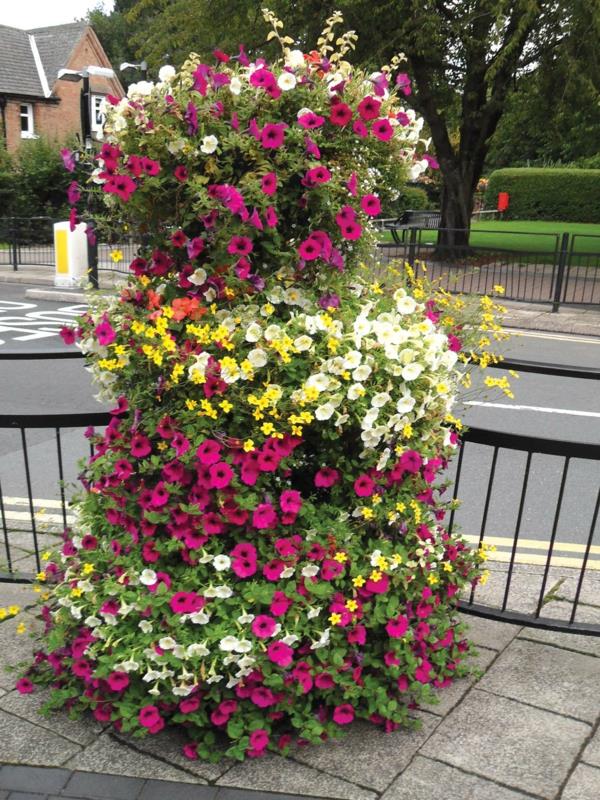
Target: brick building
33	102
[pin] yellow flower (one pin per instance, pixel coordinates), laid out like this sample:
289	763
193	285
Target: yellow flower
116	256
407	431
351	605
3	613
448	567
88	569
14	610
267	428
382	562
248	445
162	445
358	581
191	404
341	557
76	592
226	406
367	513
400	507
396	559
432	580
21	628
335	619
376	576
41	576
46	555
484	577
499	289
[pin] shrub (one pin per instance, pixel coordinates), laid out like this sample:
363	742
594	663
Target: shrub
410	198
565	194
33	181
259	550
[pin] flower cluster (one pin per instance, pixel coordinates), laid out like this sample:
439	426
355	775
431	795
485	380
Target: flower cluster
259	548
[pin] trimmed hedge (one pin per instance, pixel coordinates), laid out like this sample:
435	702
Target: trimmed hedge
564	194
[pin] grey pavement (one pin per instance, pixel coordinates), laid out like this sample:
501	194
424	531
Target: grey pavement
524	725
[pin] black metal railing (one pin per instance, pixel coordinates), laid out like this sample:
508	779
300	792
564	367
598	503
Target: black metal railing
552	268
517	490
26	241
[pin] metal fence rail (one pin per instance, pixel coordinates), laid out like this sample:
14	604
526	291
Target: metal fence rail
536	480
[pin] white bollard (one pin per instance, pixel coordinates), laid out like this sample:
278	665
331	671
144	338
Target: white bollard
70	254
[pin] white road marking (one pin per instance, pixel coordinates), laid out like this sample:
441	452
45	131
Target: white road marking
569	411
560	337
24	516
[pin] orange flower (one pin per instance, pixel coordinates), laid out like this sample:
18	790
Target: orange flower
187	307
153	299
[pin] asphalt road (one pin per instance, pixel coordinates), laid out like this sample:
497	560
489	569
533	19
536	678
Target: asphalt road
553	408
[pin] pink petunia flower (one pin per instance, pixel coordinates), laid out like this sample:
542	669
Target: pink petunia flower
268	184
209	452
382	129
310	120
310	249
290	501
221	475
271	217
239	246
280	653
371	205
264	517
403	83
105	333
263	626
180	173
364	486
273	135
326	477
118	681
343	714
368	108
149	716
360	129
330	569
397	627
340	114
140	446
24	686
318	174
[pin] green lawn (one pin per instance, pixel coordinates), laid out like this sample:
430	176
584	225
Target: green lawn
526	236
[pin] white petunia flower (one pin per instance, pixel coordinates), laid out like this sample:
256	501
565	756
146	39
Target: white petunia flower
362	373
209	144
325	411
221	563
166	73
412	371
406	305
355	391
245	619
286	81
167	643
229	643
405	404
257	357
198	277
380	399
235	85
148	577
145	626
182	691
223	592
200	617
253	332
197	649
295	60
303	343
310	571
352	359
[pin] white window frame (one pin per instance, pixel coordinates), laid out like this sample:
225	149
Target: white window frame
30	132
95	100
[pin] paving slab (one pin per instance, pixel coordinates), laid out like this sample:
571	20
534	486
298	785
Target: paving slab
584	784
168	745
19	594
489	633
113	757
108	787
273	773
366	755
82	731
591	754
14	647
24	743
568	641
557	680
431	780
159	790
525	748
524	588
452	695
32	779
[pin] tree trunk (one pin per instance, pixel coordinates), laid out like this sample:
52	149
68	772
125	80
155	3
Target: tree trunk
456	207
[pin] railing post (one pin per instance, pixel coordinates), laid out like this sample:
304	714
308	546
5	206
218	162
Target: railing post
563	254
14	243
92	253
412	246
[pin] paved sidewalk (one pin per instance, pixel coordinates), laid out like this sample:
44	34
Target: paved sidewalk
527	728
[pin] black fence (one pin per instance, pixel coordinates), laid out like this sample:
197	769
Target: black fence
521	494
532	267
26	241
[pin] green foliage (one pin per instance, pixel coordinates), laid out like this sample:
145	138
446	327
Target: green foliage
33	182
549	194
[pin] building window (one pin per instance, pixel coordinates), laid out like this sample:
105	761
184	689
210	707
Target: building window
96	113
26	114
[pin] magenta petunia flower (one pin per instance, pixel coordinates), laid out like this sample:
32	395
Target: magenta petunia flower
181	174
268	183
397	627
140	446
290	501
370	204
263	78
239	246
69	335
411	461
280	604
368	108
149	716
318	174
259	739
209	452
24	686
264	517
280	653
324	681
272	135
263	626
309	249
271	217
73	193
351	231
330	569
105	333
340	114
68	159
221	475
262	696
310	120
382	129
326	477
121	185
343	714
118	681
186	602
272	569
403	83
189	704
243	567
160	496
178	239
352	184
345	215
311	148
